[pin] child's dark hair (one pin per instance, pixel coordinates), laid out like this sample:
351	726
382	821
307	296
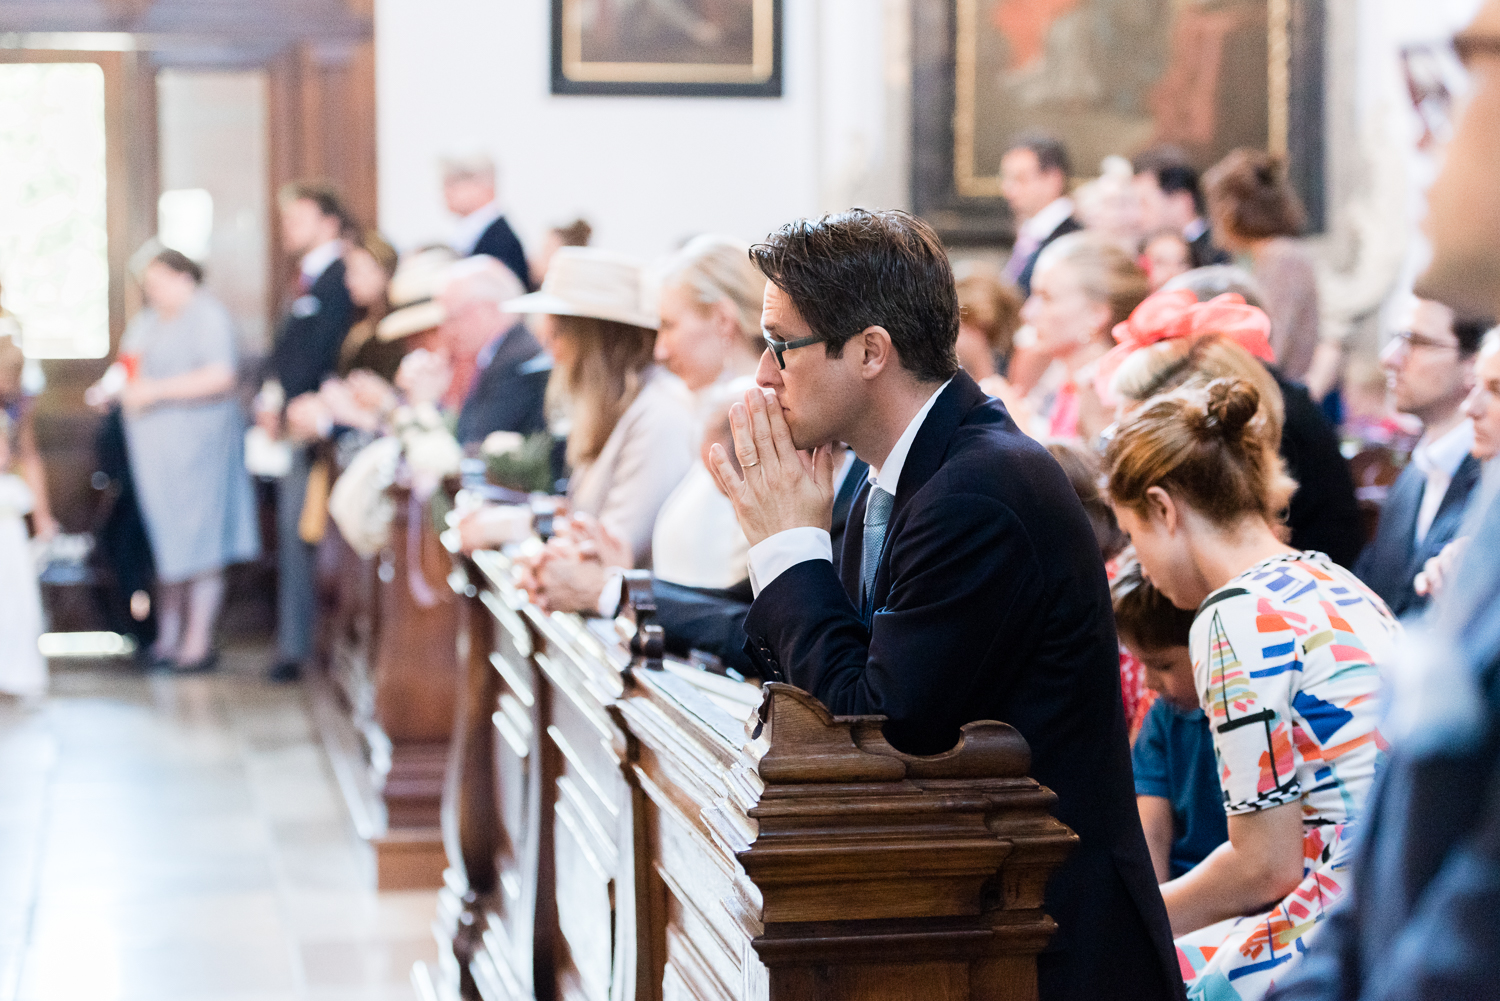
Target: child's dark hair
1086	475
1143	615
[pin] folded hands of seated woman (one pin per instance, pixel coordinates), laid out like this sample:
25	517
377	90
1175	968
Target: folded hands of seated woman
570	574
424	376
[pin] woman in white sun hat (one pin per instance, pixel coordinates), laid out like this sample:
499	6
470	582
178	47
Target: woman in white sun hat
632	431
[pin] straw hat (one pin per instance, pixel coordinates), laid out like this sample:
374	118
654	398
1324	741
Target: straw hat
413	294
586	281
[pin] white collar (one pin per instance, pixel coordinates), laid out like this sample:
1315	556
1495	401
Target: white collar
1445	454
888	476
1041	225
469	228
320	259
1195	229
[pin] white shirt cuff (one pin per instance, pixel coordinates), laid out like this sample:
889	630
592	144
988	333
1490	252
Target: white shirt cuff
772	557
609	597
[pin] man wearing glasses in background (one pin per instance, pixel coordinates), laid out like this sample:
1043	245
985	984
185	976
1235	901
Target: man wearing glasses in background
1430	369
1421	921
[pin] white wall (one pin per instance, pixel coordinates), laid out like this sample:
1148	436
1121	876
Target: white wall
645	172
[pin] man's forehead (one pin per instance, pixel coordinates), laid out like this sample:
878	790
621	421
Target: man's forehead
1431	318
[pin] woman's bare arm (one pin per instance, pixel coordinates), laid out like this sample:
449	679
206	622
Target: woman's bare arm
1259	864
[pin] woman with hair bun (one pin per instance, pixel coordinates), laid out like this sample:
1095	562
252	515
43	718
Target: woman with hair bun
1285	649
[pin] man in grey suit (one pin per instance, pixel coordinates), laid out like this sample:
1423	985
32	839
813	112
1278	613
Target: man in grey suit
1430	365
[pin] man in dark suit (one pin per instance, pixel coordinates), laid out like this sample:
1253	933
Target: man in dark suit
1430	365
469	192
313	222
1171	198
1422	918
971	586
1034	175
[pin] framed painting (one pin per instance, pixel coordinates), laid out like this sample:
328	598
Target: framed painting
1107	77
688	48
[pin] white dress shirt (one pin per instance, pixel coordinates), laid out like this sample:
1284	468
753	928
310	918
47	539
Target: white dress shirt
772	557
1439	461
319	260
468	229
1040	226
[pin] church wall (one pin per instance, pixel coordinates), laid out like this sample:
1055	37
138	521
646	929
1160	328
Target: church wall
645	172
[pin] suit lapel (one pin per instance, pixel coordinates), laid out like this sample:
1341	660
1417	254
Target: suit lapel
928	450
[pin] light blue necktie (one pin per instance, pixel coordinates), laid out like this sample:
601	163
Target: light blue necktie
877	515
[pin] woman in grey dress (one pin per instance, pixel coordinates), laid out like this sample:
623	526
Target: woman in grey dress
185	431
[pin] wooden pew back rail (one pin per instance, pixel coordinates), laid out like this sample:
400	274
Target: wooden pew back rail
621	827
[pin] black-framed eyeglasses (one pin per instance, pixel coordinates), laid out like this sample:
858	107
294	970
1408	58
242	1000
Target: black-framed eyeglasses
1437	76
779	348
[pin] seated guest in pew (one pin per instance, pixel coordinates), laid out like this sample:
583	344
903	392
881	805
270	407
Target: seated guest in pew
632	433
1430	367
1324	514
1187	342
505	384
710	316
1286	649
1176	776
369	265
971	586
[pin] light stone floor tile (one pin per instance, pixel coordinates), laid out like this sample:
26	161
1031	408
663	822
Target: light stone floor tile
184	840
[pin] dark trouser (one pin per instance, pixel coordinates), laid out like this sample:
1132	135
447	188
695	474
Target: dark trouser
296	588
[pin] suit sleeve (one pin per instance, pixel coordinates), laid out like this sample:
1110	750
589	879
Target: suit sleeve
964	580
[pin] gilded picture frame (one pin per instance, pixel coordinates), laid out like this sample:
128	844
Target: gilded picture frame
986	70
667	48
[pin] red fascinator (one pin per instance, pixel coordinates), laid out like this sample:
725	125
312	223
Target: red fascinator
1167	316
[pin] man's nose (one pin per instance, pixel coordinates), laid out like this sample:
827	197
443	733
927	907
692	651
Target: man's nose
767	373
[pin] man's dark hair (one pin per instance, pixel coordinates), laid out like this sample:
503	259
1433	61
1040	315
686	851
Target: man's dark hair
853	270
1470	330
325	198
1143	615
1050	152
1173	173
181	263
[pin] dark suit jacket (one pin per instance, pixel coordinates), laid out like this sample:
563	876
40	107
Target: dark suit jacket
1205	252
1392	561
990	602
509	393
1023	280
853	485
1421	919
307	345
500	242
1324	513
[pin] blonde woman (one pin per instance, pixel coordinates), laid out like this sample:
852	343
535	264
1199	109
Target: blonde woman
1084	284
710	314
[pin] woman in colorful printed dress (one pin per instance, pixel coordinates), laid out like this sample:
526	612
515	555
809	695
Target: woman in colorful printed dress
1285	648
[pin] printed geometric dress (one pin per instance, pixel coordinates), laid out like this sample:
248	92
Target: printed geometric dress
1285	662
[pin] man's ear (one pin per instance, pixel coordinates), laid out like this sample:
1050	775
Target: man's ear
1162	508
878	351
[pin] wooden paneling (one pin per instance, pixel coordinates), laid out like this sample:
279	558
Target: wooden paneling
660	833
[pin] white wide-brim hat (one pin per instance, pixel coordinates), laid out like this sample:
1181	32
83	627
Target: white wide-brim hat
413	293
587	281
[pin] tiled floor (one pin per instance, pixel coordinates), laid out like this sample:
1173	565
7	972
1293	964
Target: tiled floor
184	840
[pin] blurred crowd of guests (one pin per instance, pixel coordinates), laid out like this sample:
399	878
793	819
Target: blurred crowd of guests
1157	330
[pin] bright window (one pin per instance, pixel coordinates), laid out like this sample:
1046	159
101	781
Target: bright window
54	256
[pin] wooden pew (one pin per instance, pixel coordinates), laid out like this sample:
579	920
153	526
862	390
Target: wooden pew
621	827
385	699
